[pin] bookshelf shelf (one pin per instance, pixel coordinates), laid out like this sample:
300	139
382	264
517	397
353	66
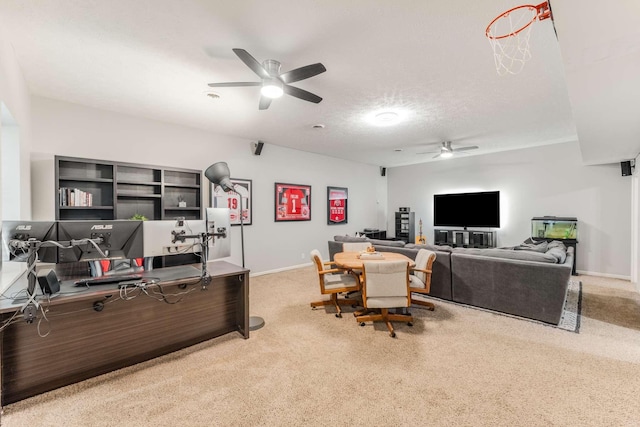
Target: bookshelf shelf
120	190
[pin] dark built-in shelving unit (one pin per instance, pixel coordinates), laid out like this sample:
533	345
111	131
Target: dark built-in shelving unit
121	190
405	225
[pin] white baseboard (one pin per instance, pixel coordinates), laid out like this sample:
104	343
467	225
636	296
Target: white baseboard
611	276
278	270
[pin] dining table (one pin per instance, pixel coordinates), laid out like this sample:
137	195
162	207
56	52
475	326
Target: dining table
355	260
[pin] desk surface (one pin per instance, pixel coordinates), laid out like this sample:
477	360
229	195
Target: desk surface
15	295
351	261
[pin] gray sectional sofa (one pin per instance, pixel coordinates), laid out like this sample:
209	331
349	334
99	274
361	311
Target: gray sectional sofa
528	280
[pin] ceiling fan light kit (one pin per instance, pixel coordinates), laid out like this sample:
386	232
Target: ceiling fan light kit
274	83
272	88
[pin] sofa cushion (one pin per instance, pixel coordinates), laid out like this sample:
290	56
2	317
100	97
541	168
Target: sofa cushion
509	254
349	239
441	248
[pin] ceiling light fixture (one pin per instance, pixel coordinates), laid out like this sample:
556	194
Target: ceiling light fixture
272	88
446	154
213	95
387	118
318	126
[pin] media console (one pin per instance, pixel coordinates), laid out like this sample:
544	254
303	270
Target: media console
92	332
465	238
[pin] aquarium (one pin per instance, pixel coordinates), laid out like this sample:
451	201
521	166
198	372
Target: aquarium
552	227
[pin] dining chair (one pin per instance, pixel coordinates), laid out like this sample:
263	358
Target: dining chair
334	281
420	278
355	246
385	286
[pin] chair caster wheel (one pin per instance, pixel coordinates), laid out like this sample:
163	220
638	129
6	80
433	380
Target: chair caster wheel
338	315
392	334
409	324
361	323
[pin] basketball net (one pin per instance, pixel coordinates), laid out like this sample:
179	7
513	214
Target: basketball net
509	34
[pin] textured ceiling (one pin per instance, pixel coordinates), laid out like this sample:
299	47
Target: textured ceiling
430	61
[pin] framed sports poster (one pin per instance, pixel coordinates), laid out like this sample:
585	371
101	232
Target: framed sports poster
221	199
293	202
337	205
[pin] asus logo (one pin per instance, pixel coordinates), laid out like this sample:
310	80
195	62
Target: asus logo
23	227
102	227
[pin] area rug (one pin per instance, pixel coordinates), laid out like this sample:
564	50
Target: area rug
569	320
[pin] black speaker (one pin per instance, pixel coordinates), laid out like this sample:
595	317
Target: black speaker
49	283
383	171
256	147
626	168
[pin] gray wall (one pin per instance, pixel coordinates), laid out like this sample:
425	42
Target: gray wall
61	128
546	180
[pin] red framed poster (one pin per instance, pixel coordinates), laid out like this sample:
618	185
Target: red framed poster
221	199
337	205
293	202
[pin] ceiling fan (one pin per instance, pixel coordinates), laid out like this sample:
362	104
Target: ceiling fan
446	150
274	83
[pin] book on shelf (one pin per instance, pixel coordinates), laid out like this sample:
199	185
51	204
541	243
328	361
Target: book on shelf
74	197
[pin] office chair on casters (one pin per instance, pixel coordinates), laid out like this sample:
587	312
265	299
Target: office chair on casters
332	282
385	286
420	279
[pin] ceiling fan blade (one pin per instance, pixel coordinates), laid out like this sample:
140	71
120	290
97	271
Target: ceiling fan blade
264	103
428	152
235	84
436	156
251	62
301	93
470	147
302	73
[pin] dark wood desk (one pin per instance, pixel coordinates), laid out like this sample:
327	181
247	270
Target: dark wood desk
83	342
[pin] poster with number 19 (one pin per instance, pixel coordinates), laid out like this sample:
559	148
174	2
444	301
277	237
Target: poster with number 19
232	200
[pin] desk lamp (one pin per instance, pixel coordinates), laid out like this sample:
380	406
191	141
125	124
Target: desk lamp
218	174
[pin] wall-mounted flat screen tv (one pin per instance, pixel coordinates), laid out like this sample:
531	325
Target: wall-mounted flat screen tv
467	209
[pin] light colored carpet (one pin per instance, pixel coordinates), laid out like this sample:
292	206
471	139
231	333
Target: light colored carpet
455	366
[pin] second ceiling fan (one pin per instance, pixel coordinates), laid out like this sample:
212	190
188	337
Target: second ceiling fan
274	83
446	150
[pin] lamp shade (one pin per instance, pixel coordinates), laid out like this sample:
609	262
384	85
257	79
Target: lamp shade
218	173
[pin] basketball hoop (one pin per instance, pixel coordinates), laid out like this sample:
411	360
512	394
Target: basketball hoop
509	34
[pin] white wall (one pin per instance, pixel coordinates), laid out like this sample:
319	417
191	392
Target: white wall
66	129
15	97
546	180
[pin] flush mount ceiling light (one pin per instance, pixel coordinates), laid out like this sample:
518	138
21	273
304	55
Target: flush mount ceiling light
213	95
386	118
318	126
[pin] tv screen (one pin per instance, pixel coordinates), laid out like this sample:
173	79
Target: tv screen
467	209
